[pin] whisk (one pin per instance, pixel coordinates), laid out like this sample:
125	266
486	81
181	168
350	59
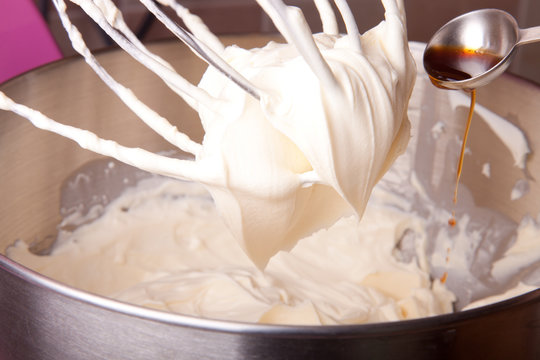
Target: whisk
289	21
345	120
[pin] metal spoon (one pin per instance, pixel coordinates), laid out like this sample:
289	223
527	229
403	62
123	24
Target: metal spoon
473	49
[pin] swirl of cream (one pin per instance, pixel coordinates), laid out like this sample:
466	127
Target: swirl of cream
343	137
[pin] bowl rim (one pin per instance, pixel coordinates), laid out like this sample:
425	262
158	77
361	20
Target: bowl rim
227	326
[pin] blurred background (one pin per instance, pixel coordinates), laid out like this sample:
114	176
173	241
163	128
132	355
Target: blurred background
245	16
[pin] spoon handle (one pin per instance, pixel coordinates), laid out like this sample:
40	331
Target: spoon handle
529	35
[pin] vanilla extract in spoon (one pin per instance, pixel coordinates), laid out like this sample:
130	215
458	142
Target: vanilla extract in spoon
452	63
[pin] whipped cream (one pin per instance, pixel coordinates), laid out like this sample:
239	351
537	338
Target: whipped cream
163	245
348	136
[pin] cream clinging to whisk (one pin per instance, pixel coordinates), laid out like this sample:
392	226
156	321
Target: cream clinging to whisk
327	119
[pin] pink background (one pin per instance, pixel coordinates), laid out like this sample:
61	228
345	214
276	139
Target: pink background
25	41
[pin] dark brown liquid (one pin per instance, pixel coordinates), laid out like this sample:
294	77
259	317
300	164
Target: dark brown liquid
452	220
449	63
452	63
444	277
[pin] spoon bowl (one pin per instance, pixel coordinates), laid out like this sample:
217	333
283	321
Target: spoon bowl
475	48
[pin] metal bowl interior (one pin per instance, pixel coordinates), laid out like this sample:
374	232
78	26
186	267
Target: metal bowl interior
44	319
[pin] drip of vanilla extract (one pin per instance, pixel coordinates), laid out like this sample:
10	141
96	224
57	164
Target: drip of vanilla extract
450	63
452	220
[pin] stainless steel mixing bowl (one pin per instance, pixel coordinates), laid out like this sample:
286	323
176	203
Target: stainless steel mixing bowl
42	319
